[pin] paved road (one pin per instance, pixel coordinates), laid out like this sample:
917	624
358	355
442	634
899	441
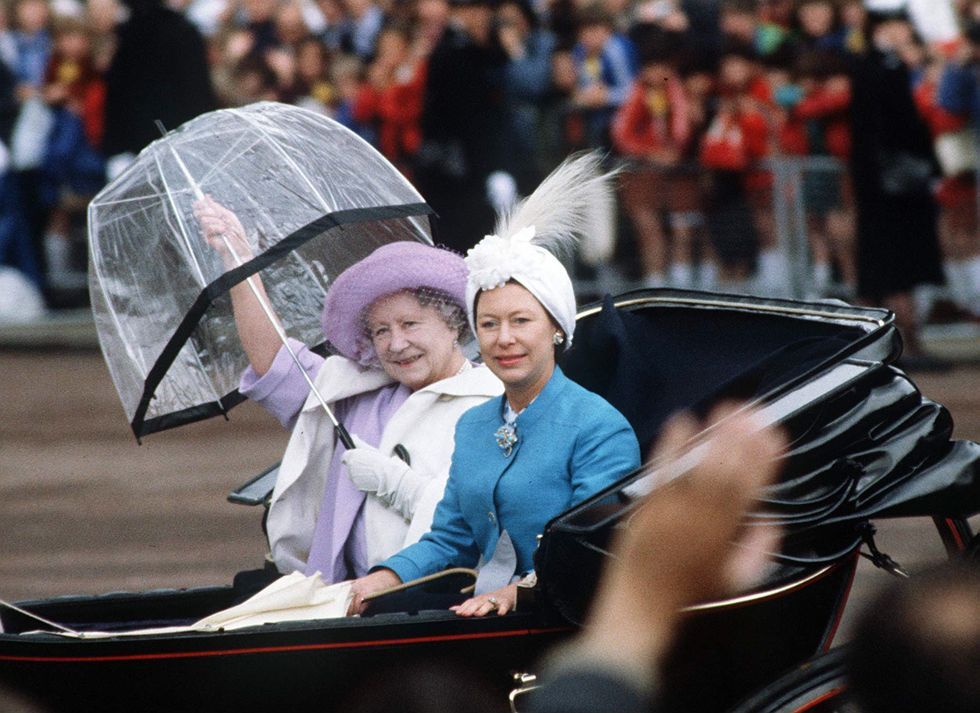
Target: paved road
85	510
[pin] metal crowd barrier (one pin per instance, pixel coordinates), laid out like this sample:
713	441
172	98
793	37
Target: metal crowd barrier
807	196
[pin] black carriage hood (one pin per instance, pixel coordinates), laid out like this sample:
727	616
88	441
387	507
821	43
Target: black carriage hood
871	446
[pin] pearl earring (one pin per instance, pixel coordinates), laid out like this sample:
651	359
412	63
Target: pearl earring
559	338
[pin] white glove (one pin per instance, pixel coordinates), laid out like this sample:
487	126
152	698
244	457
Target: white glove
372	471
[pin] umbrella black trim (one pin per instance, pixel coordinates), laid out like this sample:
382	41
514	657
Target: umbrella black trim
192	414
223	284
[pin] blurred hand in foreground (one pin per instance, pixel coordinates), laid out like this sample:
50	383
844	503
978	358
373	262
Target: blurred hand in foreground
686	542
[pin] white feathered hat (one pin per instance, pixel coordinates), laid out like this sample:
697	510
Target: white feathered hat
576	200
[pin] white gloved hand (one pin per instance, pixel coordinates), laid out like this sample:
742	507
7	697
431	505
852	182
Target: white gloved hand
372	471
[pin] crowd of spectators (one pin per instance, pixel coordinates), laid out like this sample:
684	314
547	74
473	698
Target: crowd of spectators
476	100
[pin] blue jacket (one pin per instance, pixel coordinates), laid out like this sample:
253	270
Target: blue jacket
959	91
618	67
571	444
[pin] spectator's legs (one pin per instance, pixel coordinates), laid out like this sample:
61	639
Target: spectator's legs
958	227
640	190
840	236
823	192
684	203
732	230
652	245
57	247
16	247
682	257
906	319
772	272
35	212
819	256
708	269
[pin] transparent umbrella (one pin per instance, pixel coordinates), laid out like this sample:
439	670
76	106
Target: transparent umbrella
314	198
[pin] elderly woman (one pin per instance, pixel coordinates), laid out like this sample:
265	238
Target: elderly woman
547	443
399	381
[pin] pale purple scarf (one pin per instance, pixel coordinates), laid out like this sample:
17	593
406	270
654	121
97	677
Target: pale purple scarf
339	547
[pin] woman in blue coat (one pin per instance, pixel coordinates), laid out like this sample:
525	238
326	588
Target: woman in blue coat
547	443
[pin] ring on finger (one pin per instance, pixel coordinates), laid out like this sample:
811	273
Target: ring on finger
492	601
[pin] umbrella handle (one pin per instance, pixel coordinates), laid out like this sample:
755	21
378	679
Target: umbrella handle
344	436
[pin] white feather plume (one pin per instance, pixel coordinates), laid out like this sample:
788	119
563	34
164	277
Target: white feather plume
575	202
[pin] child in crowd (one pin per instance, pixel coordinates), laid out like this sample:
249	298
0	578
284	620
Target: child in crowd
18	261
32	38
390	101
956	146
655	128
604	67
227	49
527	88
102	16
312	87
347	80
259	18
365	19
290	31
291	27
429	18
735	140
817	26
255	80
73	170
740	22
32	51
335	32
853	15
816	123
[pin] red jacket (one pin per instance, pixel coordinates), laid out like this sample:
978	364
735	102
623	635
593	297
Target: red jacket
638	131
830	107
937	119
395	111
86	93
735	139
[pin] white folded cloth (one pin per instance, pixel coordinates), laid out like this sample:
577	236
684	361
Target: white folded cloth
294	597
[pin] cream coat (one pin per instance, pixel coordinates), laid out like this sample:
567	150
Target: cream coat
425	424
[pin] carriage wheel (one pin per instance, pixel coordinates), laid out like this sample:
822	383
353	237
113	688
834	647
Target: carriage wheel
957	536
817	686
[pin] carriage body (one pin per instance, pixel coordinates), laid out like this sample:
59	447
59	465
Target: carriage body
865	444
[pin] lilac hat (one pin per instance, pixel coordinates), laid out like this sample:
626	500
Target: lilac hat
402	265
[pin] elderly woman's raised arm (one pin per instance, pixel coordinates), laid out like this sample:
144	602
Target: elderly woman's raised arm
272	378
256	331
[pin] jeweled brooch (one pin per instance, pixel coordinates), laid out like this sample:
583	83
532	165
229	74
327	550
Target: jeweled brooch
506	437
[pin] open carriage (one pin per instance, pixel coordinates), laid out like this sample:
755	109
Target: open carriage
865	444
